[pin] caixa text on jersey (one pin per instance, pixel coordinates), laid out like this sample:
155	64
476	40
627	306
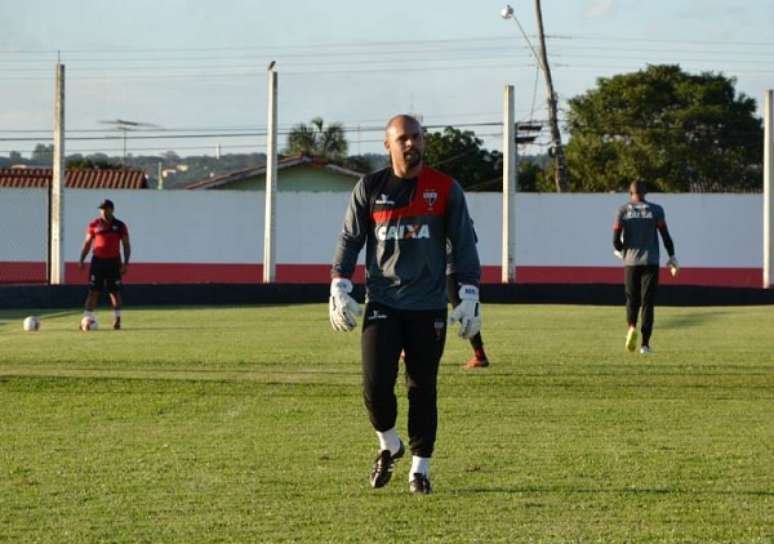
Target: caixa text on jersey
402	232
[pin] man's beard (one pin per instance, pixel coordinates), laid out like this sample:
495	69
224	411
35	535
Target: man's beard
413	158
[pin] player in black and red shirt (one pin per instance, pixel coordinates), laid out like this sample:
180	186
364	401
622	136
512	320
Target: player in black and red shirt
104	238
404	215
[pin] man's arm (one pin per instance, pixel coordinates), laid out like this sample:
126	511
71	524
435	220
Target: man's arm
342	308
674	266
127	252
85	248
618	244
463	238
460	232
667	239
353	234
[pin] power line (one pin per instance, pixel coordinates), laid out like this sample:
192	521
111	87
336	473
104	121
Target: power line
136	136
240	146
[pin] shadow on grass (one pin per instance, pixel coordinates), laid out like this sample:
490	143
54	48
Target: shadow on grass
14	318
687	321
592	491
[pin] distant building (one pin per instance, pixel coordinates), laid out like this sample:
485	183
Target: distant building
85	178
293	174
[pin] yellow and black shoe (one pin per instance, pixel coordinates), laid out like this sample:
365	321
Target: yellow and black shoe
631	339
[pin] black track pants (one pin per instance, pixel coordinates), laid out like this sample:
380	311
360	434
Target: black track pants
641	287
421	335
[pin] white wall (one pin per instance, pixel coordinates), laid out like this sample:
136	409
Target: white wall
23	225
175	226
715	230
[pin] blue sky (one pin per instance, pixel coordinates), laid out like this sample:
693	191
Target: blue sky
197	67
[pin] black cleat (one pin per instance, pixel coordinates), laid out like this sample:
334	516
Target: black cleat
383	465
117	323
420	485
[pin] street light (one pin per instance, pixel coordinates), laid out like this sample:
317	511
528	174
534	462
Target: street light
542	62
507	13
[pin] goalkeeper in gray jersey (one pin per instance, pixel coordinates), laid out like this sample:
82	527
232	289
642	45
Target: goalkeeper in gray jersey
635	239
404	215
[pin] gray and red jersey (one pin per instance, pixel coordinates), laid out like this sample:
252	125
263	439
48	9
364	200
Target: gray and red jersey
637	224
404	224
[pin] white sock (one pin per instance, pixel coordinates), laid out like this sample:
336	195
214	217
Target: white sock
89	313
419	465
116	312
389	440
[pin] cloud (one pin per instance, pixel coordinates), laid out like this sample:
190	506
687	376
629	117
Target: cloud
599	8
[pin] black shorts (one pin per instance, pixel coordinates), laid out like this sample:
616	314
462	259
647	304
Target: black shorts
105	274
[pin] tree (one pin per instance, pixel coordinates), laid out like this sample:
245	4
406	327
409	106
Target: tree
43	154
674	130
459	154
318	141
78	162
368	162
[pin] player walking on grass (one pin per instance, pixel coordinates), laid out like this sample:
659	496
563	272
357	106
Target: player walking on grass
635	240
104	237
404	214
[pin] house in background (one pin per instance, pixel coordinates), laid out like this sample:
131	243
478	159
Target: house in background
86	178
293	174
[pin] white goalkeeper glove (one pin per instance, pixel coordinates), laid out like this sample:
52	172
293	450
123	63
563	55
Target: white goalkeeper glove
468	312
342	308
618	254
674	266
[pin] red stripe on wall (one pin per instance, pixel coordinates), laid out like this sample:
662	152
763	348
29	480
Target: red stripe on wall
32	272
23	272
312	273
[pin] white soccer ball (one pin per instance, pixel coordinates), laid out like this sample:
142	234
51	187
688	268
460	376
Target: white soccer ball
31	323
88	324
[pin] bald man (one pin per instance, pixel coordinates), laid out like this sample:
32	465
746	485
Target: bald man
404	214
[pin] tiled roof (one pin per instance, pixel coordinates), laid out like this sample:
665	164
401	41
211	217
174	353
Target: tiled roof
287	162
74	179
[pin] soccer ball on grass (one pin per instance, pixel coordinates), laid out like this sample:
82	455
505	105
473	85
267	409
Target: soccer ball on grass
31	323
88	324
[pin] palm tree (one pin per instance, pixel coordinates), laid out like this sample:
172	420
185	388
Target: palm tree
317	140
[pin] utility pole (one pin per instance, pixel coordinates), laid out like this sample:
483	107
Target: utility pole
56	190
768	190
508	265
269	222
560	174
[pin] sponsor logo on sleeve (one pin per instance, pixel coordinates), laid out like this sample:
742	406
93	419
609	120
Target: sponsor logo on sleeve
384	200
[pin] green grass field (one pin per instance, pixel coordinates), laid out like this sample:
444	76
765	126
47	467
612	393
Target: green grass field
247	425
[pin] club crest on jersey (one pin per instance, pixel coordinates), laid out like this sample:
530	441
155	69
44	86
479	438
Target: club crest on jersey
403	232
430	196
